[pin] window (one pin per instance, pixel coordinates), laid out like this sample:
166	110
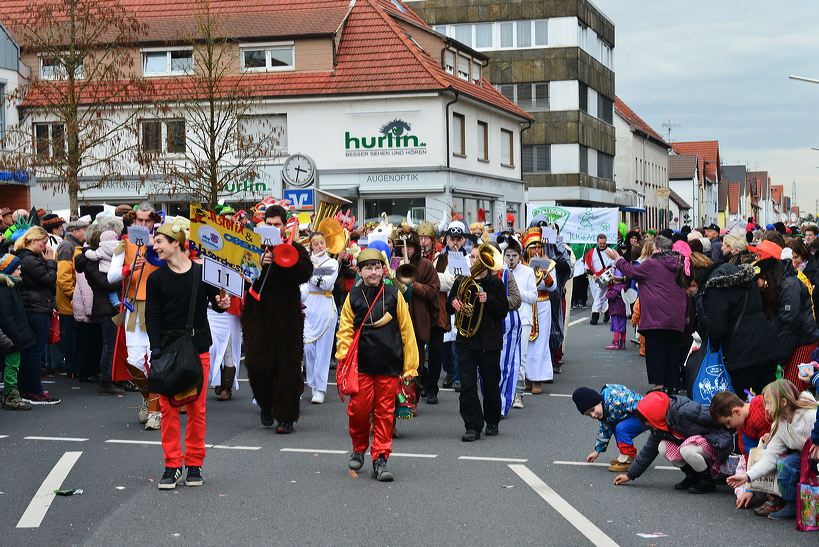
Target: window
507	35
533	97
483	141
524	29
541	33
2	112
268	58
49	140
449	61
164	63
463	33
500	35
582	35
584	97
536	158
164	136
476	72
483	35
507	148
605	109
263	136
463	67
53	68
584	159
508	91
605	166
458	135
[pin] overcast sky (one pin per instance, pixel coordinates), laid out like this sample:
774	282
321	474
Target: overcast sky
720	70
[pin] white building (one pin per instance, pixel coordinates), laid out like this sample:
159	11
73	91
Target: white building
13	183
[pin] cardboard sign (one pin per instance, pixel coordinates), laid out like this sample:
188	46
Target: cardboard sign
221	276
270	235
226	242
549	235
457	263
139	235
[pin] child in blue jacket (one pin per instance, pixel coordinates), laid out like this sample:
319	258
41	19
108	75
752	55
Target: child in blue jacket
615	407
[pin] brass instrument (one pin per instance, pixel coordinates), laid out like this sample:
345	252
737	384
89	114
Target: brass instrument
468	319
541	268
406	273
334	234
328	207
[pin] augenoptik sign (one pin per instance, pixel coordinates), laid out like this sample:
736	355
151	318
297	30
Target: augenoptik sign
395	138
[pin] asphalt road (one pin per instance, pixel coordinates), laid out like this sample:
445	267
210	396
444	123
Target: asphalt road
263	488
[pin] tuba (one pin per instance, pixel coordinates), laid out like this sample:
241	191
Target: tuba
468	320
324	221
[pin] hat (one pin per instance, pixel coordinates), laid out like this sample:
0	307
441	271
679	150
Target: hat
767	249
173	231
74	225
765	265
371	254
532	236
51	221
5	211
653	408
685	251
696	245
712	226
121	209
426	228
780	227
585	399
381	247
8	264
456	228
694	234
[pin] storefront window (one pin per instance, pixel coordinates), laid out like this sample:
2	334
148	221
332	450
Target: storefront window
396	208
514	209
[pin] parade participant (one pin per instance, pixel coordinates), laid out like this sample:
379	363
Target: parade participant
15	334
55	226
525	281
70	247
320	317
130	266
387	352
454	239
596	263
226	350
273	333
426	237
511	336
168	293
539	357
481	350
617	310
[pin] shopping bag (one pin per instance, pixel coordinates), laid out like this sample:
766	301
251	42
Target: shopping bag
177	372
706	375
54	328
807	493
769	484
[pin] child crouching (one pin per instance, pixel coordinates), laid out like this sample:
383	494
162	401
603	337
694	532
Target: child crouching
685	433
615	408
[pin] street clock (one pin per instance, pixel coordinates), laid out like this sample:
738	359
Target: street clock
299	171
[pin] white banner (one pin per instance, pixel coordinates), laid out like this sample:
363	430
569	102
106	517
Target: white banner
577	224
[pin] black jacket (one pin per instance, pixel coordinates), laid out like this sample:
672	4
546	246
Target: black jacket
13	321
749	343
794	322
39	286
380	349
686	418
101	308
490	334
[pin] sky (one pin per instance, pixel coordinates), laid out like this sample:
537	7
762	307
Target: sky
719	69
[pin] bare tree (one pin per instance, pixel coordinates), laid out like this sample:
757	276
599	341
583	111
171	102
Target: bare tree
212	120
76	127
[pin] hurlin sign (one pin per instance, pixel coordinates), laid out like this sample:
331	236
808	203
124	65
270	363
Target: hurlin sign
394	140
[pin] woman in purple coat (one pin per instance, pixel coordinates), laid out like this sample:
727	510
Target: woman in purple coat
662	311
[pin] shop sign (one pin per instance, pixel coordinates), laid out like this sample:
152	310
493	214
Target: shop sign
394	138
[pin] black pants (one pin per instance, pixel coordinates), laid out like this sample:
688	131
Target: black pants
108	331
580	290
663	358
67	343
435	348
755	378
470	361
88	346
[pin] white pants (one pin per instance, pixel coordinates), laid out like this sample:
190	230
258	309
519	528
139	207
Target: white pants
600	302
317	358
138	345
525	331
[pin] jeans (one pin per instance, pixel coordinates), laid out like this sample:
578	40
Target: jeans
109	339
488	363
32	359
625	432
67	328
789	467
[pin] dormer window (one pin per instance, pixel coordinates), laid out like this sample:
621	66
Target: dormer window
267	57
53	68
463	65
449	61
163	62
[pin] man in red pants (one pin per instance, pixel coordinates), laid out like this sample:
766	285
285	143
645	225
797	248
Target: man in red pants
169	294
387	351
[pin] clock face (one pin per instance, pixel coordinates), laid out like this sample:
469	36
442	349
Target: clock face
299	170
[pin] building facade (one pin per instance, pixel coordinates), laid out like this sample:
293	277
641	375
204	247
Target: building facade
14	183
554	58
397	118
706	203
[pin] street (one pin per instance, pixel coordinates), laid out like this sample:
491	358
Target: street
527	486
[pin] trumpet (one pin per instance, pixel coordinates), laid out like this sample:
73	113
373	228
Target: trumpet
468	319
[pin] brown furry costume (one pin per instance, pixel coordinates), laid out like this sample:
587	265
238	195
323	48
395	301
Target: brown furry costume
273	330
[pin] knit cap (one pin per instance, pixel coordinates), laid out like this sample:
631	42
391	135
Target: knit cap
585	399
9	264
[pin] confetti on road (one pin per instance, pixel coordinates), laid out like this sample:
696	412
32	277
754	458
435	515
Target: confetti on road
654	535
120	487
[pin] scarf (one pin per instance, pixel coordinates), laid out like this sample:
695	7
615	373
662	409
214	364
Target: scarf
10	280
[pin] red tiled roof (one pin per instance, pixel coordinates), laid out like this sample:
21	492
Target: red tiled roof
374	55
681	167
636	122
707	151
733	197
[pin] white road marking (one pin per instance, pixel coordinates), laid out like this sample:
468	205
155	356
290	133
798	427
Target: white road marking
576	321
597	464
572	515
409	455
666	468
489	459
37	509
225	447
3	436
128	441
313	451
66	439
559	395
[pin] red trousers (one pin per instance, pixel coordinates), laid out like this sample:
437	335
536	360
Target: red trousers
376	396
194	430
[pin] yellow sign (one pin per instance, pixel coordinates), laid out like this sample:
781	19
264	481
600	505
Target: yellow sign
227	242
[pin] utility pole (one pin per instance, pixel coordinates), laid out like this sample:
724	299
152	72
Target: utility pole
668	127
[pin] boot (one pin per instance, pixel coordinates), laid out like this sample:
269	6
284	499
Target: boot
595	317
615	344
224	391
622	343
380	472
12	401
689	480
606	317
537	388
527	385
704	484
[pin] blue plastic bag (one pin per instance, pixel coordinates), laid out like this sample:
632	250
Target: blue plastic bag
706	374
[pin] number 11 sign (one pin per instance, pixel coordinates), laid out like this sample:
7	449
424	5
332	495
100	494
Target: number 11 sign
218	275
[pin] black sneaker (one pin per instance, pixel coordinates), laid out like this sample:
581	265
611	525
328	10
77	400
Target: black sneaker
470	436
432	398
447	381
595	317
110	388
128	386
356	461
380	472
606	317
170	478
456	385
194	477
284	428
491	430
267	417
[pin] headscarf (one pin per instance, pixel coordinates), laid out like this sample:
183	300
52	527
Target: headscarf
685	251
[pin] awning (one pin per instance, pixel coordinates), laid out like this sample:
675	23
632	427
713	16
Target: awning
633	209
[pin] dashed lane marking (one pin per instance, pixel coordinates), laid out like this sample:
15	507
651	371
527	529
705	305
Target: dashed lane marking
3	436
559	395
409	455
40	503
313	451
490	459
216	446
129	441
577	321
66	439
225	447
566	510
599	464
